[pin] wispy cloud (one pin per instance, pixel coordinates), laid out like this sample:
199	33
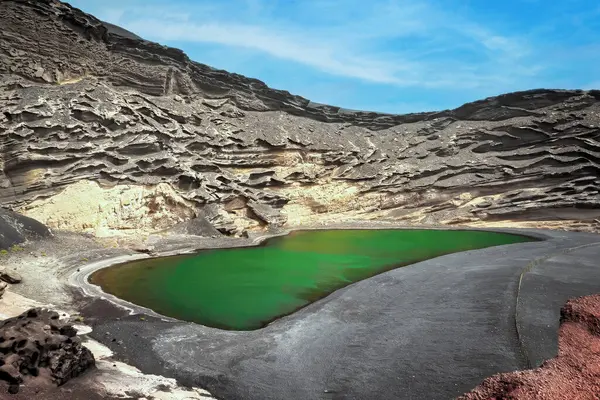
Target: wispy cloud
391	48
351	46
314	53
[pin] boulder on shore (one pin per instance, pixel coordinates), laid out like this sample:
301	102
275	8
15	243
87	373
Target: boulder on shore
36	347
10	276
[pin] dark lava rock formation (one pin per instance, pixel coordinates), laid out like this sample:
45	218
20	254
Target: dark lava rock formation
85	100
16	228
38	349
573	374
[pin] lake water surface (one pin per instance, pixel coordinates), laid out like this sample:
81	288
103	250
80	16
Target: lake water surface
246	288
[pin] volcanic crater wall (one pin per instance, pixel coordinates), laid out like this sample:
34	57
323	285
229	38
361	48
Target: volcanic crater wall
144	131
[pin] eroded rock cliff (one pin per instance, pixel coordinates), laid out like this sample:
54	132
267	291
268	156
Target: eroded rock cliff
89	105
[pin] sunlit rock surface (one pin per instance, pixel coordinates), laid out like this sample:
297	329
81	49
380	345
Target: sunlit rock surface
86	101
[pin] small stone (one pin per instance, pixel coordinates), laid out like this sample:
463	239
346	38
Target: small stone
10	276
13	389
46	327
39	72
68	331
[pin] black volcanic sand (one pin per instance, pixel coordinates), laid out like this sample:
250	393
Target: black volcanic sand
432	330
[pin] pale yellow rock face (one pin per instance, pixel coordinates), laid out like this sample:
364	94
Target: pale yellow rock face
326	201
133	211
85	206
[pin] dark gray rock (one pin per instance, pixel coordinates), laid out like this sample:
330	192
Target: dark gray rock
10	276
16	228
267	214
198	226
37	346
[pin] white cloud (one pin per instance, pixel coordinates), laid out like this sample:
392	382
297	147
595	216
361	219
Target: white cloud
314	53
333	38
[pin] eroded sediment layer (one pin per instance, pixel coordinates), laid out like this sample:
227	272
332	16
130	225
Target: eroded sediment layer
573	374
82	100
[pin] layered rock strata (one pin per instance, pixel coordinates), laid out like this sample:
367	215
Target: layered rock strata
87	106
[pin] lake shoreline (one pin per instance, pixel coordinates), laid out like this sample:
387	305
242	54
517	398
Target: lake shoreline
79	276
248	287
70	258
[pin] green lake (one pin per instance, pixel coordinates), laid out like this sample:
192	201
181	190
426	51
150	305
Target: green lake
246	288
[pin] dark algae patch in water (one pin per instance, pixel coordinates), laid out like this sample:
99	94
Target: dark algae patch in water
246	288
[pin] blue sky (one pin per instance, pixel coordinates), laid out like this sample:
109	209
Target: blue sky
393	56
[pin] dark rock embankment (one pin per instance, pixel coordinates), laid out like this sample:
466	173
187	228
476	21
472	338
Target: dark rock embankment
38	349
16	228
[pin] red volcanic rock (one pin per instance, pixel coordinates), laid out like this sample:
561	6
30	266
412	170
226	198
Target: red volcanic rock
573	375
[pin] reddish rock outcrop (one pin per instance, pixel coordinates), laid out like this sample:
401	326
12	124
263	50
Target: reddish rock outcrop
573	375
